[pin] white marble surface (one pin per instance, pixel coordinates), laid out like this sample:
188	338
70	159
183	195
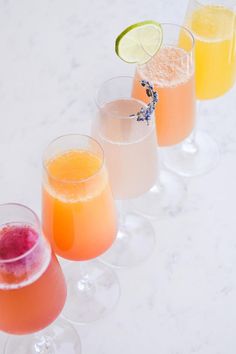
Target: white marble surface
54	53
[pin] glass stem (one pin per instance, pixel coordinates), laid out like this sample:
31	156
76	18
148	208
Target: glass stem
121	207
120	204
43	344
158	185
189	145
84	283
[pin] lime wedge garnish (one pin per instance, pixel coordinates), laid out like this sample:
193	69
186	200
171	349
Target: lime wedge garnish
139	42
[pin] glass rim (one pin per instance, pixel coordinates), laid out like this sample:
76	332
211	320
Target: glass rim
25	254
67	181
186	53
232	4
113	114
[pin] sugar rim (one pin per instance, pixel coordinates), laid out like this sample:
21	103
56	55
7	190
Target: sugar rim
187	53
232	4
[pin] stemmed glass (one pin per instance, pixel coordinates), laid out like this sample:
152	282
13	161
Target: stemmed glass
213	24
132	161
79	220
32	287
171	70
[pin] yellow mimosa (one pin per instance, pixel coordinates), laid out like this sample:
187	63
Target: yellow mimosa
215	49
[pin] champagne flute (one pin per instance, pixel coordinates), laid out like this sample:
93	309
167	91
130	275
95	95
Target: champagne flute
213	24
132	160
171	69
79	220
32	287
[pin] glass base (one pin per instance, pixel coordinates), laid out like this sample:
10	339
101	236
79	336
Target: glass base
93	290
162	200
134	243
188	162
59	338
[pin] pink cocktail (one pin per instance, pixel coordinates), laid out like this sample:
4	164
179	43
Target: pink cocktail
34	275
32	285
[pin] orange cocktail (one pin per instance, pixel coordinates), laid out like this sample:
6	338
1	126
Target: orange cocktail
171	70
78	212
32	286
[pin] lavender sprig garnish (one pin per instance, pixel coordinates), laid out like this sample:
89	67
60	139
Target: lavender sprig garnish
145	113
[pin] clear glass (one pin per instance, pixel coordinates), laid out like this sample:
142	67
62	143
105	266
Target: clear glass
79	220
171	70
129	145
132	161
213	24
32	285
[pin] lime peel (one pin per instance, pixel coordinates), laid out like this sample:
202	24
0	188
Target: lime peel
139	42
